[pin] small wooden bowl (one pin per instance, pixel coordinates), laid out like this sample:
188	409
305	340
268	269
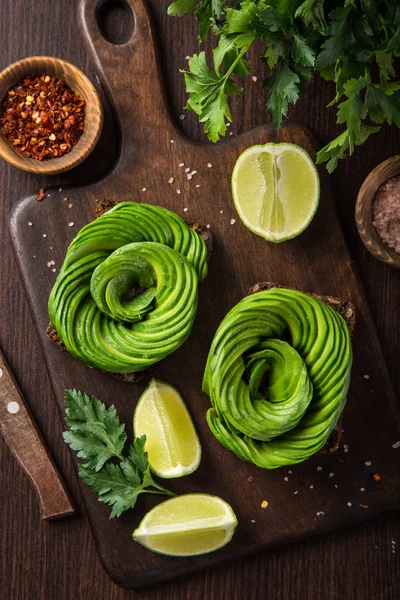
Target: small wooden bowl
80	84
363	213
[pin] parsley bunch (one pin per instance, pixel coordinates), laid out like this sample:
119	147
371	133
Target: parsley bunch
352	43
96	434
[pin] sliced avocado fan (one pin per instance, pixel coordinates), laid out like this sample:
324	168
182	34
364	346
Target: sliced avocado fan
132	246
277	375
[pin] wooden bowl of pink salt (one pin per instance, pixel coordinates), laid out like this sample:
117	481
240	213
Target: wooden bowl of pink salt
378	212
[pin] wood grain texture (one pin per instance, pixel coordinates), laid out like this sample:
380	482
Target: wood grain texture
363	212
354	564
27	445
81	85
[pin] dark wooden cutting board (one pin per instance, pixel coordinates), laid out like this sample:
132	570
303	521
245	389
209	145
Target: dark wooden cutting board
304	500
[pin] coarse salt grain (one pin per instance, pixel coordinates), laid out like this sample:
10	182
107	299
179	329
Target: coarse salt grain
60	189
319	468
396	445
345	448
182	117
368	463
144	189
187	169
254	78
286	478
233	221
209	165
70	205
185	209
386	212
296	492
187	57
193	173
252	521
188	175
331	474
71	224
208	225
349	504
181	164
197	185
311	487
172	141
54	270
366	376
362	489
171	180
29	224
45	235
178	191
221	212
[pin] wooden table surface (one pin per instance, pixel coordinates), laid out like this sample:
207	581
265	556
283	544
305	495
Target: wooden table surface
58	560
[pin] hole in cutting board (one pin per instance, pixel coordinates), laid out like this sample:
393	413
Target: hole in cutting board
116	21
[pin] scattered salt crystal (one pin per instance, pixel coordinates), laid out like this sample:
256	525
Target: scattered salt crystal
396	445
171	180
349	504
70	205
29	224
178	191
228	124
311	487
345	448
319	513
197	185
221	212
366	376
296	492
181	164
49	264
71	224
208	225
362	489
172	141
233	221
254	78
209	165
45	235
335	485
187	169
286	478
48	195
193	173
182	117
185	209
60	189
331	474
252	521
319	468
144	189
188	175
54	270
368	463
187	57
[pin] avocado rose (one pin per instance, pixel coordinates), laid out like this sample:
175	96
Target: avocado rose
277	375
91	306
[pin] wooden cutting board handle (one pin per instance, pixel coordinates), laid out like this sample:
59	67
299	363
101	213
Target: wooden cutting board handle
26	443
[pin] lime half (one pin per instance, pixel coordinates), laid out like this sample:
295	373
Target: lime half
187	525
172	443
275	189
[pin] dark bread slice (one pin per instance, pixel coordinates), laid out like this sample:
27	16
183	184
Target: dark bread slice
346	310
102	207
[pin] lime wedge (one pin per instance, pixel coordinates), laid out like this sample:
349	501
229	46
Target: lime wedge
187	525
171	440
275	189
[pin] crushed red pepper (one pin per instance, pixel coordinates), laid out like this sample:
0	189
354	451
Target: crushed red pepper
376	477
42	117
40	195
250	479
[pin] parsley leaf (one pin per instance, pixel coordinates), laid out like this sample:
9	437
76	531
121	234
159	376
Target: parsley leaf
181	7
95	433
284	89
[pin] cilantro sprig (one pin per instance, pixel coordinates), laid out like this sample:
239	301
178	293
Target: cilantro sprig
97	435
352	43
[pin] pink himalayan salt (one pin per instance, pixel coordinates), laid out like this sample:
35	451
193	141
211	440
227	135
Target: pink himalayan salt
386	212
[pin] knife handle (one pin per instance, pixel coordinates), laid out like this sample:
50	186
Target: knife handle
26	443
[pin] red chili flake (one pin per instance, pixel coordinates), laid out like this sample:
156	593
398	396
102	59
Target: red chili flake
363	506
376	477
250	479
371	390
42	117
40	195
